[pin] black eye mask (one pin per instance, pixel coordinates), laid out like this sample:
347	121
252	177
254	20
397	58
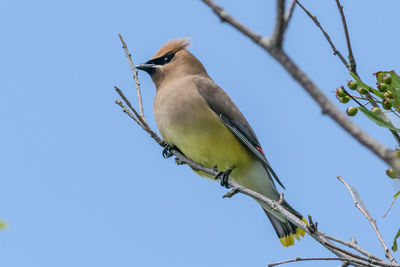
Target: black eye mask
162	60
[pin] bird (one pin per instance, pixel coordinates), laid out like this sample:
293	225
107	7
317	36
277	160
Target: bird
198	118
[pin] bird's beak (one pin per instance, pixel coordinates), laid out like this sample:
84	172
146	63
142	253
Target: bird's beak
146	67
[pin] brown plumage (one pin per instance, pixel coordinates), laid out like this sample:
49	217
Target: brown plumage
172	46
195	115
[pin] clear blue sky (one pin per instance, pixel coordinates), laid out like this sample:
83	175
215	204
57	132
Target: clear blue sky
82	185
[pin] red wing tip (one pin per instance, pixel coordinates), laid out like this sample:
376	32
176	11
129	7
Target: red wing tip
259	148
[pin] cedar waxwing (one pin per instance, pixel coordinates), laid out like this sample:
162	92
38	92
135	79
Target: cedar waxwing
194	115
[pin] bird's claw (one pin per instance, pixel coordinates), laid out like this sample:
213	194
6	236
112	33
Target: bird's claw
166	153
224	176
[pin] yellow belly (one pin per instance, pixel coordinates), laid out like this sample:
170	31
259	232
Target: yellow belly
198	132
212	145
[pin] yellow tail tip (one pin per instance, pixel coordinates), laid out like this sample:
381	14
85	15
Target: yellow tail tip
288	240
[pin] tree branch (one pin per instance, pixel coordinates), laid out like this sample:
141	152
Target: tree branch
350	66
360	205
327	106
277	36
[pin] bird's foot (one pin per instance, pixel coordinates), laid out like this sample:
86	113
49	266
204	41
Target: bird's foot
166	153
224	176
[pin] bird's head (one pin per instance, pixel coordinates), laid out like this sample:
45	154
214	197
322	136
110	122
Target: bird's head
172	61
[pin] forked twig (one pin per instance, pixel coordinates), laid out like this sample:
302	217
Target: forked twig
136	117
352	62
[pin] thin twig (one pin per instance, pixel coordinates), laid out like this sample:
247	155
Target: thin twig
139	119
126	110
230	193
396	135
289	13
356	256
315	259
360	205
352	244
391	205
135	76
352	61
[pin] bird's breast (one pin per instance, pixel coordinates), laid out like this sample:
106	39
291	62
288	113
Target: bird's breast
185	120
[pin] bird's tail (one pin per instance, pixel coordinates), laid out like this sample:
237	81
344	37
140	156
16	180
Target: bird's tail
286	230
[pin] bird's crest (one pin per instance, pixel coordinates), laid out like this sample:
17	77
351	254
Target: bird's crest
172	46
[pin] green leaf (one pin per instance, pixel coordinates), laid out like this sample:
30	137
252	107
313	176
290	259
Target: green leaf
394	247
395	79
366	87
395	85
384	122
3	225
396	195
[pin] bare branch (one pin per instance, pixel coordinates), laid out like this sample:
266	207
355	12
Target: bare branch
345	260
352	61
135	76
326	105
289	13
225	17
360	205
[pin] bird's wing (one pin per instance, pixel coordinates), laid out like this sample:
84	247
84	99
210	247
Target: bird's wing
233	119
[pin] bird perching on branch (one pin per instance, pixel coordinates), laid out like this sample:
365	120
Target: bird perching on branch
197	117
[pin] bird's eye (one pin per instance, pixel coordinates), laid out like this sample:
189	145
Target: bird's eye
162	60
167	58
